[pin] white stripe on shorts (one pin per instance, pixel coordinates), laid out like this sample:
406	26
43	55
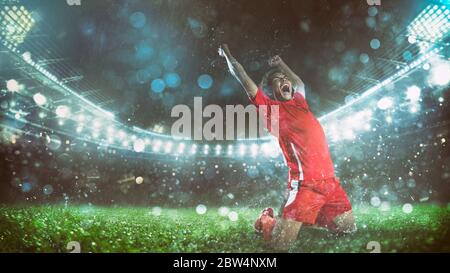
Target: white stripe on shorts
299	164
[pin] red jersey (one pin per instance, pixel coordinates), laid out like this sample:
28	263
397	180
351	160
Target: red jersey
301	138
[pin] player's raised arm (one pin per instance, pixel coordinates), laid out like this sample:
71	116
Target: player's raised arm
298	84
238	71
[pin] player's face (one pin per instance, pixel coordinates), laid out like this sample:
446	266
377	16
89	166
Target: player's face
282	87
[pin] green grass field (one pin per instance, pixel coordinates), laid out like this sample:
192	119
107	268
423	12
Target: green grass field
131	229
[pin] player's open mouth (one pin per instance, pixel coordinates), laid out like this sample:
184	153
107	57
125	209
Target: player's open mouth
285	88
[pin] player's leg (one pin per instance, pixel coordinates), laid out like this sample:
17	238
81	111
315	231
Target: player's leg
302	207
285	234
337	214
345	222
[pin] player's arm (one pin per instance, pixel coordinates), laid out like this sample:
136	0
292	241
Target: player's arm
238	71
276	61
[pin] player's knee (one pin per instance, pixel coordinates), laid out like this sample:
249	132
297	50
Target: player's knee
346	228
282	242
345	223
285	234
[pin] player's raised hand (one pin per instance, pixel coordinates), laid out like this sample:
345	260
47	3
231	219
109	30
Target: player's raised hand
224	51
221	51
238	71
275	61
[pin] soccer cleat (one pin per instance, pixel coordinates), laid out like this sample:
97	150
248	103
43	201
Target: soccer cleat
265	224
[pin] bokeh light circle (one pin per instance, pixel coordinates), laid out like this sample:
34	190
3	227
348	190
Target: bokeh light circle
205	81
201	209
375	44
138	20
158	85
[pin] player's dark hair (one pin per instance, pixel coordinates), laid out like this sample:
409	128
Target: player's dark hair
266	82
268	77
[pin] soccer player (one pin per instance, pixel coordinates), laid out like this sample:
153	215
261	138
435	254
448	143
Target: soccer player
315	196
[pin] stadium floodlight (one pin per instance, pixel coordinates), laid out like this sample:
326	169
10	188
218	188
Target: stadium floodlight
333	131
265	148
218	149
97	123
110	130
412	39
230	150
62	111
348	134
385	103
413	93
242	150
194	149
139	145
168	147
181	147
345	129
431	26
389	119
157	146
12	85
39	99
15	24
27	57
414	108
440	73
358	121
206	149
122	135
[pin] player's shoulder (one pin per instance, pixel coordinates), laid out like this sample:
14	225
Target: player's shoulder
300	100
301	92
299	96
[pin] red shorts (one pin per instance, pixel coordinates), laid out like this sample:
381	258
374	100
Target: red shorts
316	202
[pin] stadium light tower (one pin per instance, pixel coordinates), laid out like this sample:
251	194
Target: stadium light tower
431	26
16	23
